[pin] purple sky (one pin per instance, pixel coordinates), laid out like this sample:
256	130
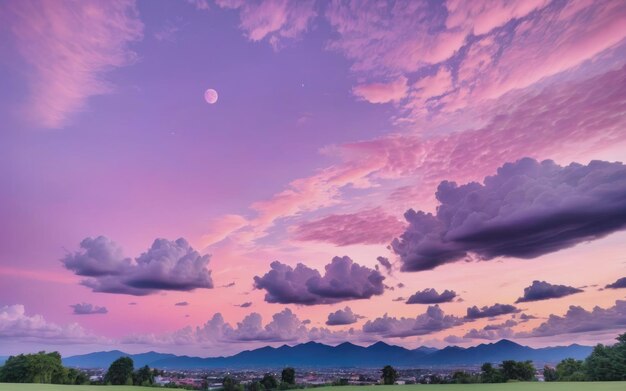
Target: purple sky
475	146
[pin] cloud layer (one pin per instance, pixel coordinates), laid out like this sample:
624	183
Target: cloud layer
88	309
431	296
372	226
343	280
166	265
526	210
16	325
431	321
274	20
541	290
579	320
491	311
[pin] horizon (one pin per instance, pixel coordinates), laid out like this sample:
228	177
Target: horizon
213	176
338	344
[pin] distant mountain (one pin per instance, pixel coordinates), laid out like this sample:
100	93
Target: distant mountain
104	359
313	354
3	359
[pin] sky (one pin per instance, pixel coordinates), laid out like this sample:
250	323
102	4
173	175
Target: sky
421	173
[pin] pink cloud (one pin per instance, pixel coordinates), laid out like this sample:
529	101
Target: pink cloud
563	121
16	325
519	43
400	37
372	226
275	20
69	47
221	227
382	92
493	68
483	16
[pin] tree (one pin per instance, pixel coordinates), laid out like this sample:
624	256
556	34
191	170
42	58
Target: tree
571	370
517	370
489	374
143	377
75	376
462	377
41	367
288	376
231	384
255	386
120	372
269	382
549	374
390	375
607	362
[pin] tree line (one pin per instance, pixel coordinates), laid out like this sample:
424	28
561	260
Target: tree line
605	363
268	382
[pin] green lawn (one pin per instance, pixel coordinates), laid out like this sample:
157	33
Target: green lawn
522	386
54	387
587	386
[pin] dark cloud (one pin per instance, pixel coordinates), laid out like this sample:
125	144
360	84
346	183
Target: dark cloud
167	265
493	331
400	285
245	305
491	311
342	317
182	304
88	309
343	280
621	283
579	320
132	303
541	290
526	210
399	299
229	285
98	257
431	296
525	317
384	262
431	321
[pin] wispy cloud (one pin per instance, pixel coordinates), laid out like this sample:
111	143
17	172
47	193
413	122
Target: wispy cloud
69	46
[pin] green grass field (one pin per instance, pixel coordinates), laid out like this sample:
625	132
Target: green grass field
591	386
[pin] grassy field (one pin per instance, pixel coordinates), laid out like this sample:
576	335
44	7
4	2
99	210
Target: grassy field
588	386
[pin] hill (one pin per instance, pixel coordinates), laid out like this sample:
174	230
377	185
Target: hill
313	354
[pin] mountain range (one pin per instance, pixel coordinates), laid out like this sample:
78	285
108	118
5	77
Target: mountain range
313	354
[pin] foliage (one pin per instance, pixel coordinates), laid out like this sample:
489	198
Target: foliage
340	382
390	375
489	374
41	367
231	384
462	377
143	377
254	386
549	374
120	372
607	362
517	370
269	382
571	370
288	376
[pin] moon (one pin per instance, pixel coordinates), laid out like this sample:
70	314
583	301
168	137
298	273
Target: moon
210	96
